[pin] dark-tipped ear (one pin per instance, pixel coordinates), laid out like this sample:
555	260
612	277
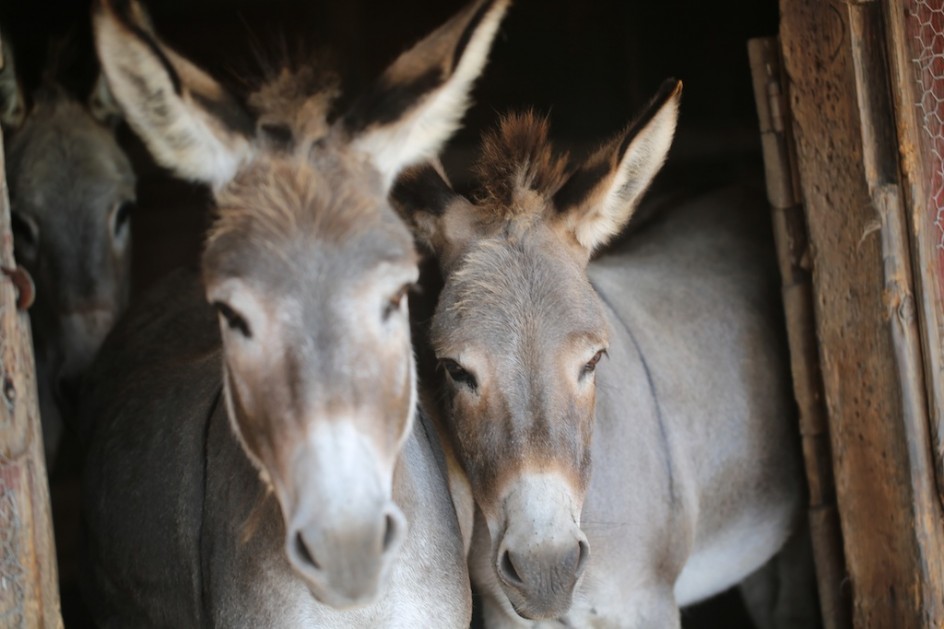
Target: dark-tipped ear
441	218
601	195
417	103
188	121
102	105
12	104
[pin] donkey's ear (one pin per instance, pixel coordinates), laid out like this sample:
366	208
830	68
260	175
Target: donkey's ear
12	105
417	103
102	104
601	195
188	121
441	218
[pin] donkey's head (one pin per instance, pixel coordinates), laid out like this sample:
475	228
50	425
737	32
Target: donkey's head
519	332
309	267
72	191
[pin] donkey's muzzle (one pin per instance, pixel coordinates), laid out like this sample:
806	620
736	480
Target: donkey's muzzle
541	551
346	563
343	530
539	579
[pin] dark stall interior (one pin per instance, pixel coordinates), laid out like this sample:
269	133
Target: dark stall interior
590	65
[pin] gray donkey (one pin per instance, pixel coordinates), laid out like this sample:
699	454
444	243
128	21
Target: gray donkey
71	192
619	430
262	466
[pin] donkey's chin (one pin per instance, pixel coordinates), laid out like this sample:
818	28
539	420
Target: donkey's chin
340	592
540	608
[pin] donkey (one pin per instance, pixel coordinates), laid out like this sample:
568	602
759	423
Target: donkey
293	487
72	191
666	351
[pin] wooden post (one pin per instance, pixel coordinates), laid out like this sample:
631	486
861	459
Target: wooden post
29	591
870	352
915	40
794	261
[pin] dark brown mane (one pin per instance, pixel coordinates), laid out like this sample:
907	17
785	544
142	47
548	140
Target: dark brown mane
292	105
518	165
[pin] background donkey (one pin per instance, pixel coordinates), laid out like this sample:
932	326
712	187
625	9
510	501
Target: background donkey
309	488
71	194
695	479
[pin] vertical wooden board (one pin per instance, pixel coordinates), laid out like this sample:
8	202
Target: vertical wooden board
790	236
916	58
892	548
29	591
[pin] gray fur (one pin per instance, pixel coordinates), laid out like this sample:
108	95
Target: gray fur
68	180
611	489
312	494
200	542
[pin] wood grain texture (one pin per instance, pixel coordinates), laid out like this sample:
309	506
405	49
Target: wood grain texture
916	53
793	253
878	428
29	592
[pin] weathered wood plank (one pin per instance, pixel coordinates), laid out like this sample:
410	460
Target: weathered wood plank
29	591
916	60
890	515
793	255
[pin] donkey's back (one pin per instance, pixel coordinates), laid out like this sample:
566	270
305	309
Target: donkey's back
696	295
146	408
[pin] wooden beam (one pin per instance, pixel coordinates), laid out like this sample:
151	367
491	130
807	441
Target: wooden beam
793	254
915	39
865	315
29	591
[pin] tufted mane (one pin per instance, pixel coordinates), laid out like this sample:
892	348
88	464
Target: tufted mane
292	104
518	170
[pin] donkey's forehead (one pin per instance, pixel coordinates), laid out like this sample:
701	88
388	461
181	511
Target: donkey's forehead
62	124
63	159
505	286
284	218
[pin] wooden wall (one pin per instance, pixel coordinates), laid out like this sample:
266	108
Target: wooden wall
868	311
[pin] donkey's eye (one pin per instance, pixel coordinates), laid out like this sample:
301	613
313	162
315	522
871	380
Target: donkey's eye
122	216
459	374
591	365
395	303
25	234
233	319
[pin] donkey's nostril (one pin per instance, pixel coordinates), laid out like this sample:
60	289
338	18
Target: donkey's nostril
390	532
394	530
304	555
508	571
583	554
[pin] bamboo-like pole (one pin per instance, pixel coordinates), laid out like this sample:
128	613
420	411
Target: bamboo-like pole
29	591
793	257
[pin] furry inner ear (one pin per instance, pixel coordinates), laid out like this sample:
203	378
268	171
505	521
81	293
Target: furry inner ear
599	198
12	104
417	103
442	219
188	121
